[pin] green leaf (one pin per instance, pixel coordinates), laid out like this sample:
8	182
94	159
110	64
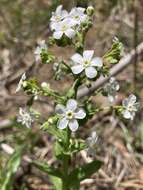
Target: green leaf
54	174
115	53
47	169
58	150
57	182
11	168
84	172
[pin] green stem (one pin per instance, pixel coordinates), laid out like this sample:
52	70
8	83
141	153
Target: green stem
66	159
65	172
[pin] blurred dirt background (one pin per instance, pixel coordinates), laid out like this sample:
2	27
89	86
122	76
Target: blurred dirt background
22	24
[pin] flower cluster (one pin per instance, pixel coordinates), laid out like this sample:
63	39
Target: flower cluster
86	63
25	118
69	115
130	107
111	89
64	23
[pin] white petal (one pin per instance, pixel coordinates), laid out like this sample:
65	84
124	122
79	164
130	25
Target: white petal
90	72
136	106
21	111
60	109
125	102
112	80
71	104
23	76
97	62
132	98
111	98
57	34
62	124
81	9
59	9
77	69
80	114
94	135
64	13
73	125
53	26
77	58
88	54
70	33
127	114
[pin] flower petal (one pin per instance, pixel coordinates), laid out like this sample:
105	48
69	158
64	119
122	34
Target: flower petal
77	69
97	62
132	99
59	9
60	109
88	54
80	114
127	114
90	72
94	135
136	106
57	34
71	104
77	58
70	33
64	14
73	125
111	98
63	123
125	102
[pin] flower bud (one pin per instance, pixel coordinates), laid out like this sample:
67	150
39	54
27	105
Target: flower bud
24	84
50	121
90	10
45	85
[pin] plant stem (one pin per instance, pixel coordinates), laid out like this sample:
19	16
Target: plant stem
66	159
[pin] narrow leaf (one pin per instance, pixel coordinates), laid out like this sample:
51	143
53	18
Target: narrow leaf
11	169
47	169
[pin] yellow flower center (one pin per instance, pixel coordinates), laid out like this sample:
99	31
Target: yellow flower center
86	63
70	114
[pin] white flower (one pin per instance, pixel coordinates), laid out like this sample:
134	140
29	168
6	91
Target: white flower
58	16
77	15
20	84
25	118
64	27
111	89
56	66
87	63
69	115
91	143
41	46
130	107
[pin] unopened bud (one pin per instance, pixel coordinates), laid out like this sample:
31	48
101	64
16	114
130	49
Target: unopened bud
45	85
50	121
24	84
90	10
